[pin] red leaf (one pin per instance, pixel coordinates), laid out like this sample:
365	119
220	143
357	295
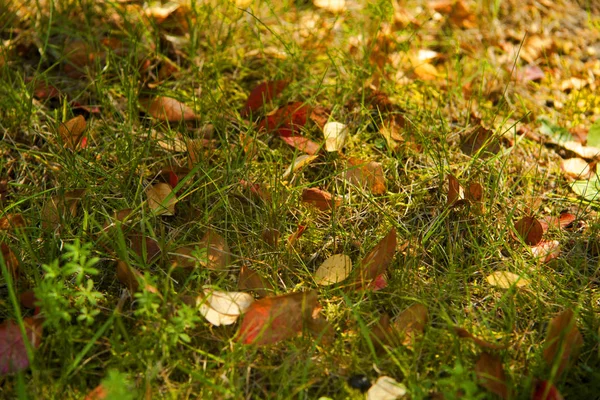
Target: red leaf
530	230
545	390
302	144
296	235
262	94
272	319
286	120
376	262
490	374
13	353
321	199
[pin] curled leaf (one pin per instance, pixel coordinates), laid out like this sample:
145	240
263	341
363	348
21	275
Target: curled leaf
335	136
223	308
298	163
376	262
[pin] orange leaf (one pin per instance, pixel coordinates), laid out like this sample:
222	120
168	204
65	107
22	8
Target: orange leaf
545	390
321	199
366	174
530	230
286	120
490	374
302	144
376	262
272	319
168	109
563	341
71	132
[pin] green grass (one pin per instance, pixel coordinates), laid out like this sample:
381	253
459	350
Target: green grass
152	344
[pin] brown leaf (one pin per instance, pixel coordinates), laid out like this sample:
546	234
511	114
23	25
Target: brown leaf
411	323
320	115
293	238
28	299
383	334
530	230
11	221
545	390
490	374
71	132
161	199
272	319
10	260
13	351
145	247
463	333
321	199
251	280
376	262
366	174
302	144
168	109
184	257
456	193
563	341
480	140
218	254
131	278
58	207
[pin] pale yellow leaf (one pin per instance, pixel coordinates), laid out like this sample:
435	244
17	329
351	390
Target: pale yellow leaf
334	6
505	280
298	163
223	308
335	136
386	388
333	270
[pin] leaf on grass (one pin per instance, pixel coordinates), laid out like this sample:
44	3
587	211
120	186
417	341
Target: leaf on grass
71	132
168	109
366	174
321	199
302	144
411	323
217	251
13	350
386	388
258	190
10	260
187	257
262	94
588	189
480	140
545	390
28	299
293	238
376	262
490	374
463	333
564	220
299	162
56	208
143	246
458	196
198	149
546	250
131	278
506	280
176	144
250	280
223	308
588	152
576	168
320	116
161	199
272	319
530	230
287	120
333	270
563	341
335	134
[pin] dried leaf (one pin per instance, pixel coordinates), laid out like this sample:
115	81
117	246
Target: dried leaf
13	351
56	208
321	199
218	254
366	174
587	152
490	374
251	280
506	280
386	388
187	257
463	333
223	308
299	162
293	238
576	168
71	132
456	193
376	262
320	116
287	120
272	319
335	134
480	140
545	390
302	144
563	341
131	278
411	323
10	260
161	199
168	109
333	270
261	95
530	230
143	246
546	250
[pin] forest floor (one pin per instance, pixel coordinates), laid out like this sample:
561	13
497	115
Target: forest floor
288	199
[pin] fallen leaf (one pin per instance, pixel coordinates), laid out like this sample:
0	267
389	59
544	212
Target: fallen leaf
293	238
272	319
302	144
320	116
490	374
334	6
386	388
28	299
187	257
131	278
380	282
223	308
563	341
545	390
546	250
530	230
58	207
251	280
98	393
366	174
218	254
143	246
587	152
376	262
335	134
333	270
456	193
258	190
262	94
463	333
321	199
480	140
71	132
287	120
10	261
161	199
13	351
506	280
299	162
411	323
576	168
168	109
